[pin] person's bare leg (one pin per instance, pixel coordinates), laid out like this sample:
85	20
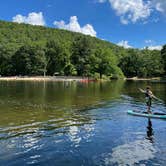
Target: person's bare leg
149	111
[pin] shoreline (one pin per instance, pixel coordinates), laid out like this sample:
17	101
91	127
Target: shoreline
47	78
71	79
143	79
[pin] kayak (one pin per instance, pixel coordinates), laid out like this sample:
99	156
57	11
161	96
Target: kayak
145	114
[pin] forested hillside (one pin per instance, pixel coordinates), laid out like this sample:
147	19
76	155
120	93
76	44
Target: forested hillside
34	50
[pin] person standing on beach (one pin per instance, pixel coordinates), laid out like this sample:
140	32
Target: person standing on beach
148	96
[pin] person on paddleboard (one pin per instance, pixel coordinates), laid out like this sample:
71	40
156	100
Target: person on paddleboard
149	96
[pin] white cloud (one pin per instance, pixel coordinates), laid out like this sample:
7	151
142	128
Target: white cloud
124	44
154	48
74	26
135	10
124	21
32	18
160	5
130	153
102	1
130	10
152	45
149	41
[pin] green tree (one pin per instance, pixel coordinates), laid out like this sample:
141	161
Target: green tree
82	49
5	61
29	60
58	58
130	64
36	50
151	62
107	63
163	55
38	61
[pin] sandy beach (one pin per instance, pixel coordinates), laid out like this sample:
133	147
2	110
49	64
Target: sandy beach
48	78
142	79
69	79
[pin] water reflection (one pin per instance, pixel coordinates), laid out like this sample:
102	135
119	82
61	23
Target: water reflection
150	132
77	134
22	102
71	123
131	153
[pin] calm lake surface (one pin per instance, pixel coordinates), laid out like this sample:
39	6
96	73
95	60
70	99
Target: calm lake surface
78	124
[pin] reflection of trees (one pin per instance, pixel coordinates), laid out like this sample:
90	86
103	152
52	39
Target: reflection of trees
94	93
26	102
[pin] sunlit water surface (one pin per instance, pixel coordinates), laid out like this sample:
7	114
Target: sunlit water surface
49	123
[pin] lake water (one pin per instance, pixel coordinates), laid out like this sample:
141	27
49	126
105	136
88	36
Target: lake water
79	124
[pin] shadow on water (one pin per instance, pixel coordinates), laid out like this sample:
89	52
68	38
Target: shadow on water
150	132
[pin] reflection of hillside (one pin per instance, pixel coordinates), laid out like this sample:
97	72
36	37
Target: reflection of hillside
94	93
24	102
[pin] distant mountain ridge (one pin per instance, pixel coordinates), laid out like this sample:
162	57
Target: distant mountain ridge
11	31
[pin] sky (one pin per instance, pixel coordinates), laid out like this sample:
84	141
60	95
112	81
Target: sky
128	23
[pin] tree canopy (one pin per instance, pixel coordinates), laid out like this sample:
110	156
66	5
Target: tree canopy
36	50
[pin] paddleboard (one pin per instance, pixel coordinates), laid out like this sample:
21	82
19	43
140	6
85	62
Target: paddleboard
145	114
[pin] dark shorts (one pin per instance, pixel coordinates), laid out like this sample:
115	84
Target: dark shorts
149	102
